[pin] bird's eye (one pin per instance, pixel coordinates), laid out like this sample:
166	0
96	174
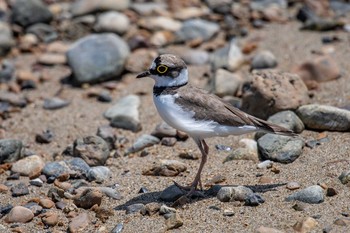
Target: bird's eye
162	69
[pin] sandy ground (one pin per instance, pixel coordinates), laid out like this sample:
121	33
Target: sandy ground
322	164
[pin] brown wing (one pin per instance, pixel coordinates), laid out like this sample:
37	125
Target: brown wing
213	108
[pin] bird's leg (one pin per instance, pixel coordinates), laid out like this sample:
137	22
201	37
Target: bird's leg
203	147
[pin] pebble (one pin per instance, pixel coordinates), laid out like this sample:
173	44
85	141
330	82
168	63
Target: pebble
229	194
52	59
331	192
135	208
197	29
45	33
171	193
10	150
44	137
112	21
174	221
110	192
34	207
139	60
3	188
228	213
88	198
242	154
312	195
265	164
164	209
147	8
98	57
55	194
7	68
166	168
341	222
253	199
83	7
324	117
125	114
344	177
156	23
50	218
19	189
190	56
226	83
6	40
220	147
151	208
263	229
264	60
92	149
19	214
118	228
99	174
306	225
164	130
186	154
279	148
79	168
229	57
191	12
293	185
79	223
142	142
28	12
55	103
289	120
167	141
273	91
13	99
107	133
55	169
46	203
29	166
5	209
37	182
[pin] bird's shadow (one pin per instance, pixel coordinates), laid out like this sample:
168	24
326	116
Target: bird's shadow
150	197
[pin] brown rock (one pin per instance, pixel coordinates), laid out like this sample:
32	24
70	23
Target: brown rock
3	188
19	214
321	69
306	225
166	168
174	221
79	223
293	185
50	218
272	91
46	203
151	208
57	47
88	198
29	166
102	213
63	185
52	59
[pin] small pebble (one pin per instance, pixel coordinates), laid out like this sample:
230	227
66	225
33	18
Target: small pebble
253	199
19	189
306	225
312	194
79	223
55	103
135	208
88	198
293	185
50	218
228	213
19	214
174	221
118	228
45	137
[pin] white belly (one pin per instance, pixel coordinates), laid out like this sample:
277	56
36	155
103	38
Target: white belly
183	120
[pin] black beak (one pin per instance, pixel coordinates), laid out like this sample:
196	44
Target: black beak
143	74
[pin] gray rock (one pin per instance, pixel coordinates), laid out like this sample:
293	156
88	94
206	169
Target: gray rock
171	193
264	60
125	114
13	99
156	23
55	103
6	39
323	117
99	174
312	195
44	32
118	228
287	119
7	67
344	177
55	169
265	164
147	8
197	29
107	133
28	12
112	21
36	182
19	189
271	91
96	58
34	207
226	83
93	149
229	57
83	7
110	192
10	150
238	193
142	142
279	148
164	130
135	208
78	167
190	56
253	199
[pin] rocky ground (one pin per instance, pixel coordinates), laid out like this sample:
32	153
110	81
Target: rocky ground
82	148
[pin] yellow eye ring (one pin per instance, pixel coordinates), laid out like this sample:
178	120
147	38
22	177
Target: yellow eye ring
162	69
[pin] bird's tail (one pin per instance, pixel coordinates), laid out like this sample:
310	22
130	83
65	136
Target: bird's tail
269	127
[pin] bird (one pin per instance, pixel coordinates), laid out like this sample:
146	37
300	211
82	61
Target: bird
196	112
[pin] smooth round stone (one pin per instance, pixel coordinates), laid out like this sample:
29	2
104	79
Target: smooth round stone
10	150
79	223
46	203
79	166
99	174
55	103
264	60
226	83
30	166
287	119
112	21
19	214
142	142
197	29
55	169
83	7
238	193
313	195
50	218
293	185
160	23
